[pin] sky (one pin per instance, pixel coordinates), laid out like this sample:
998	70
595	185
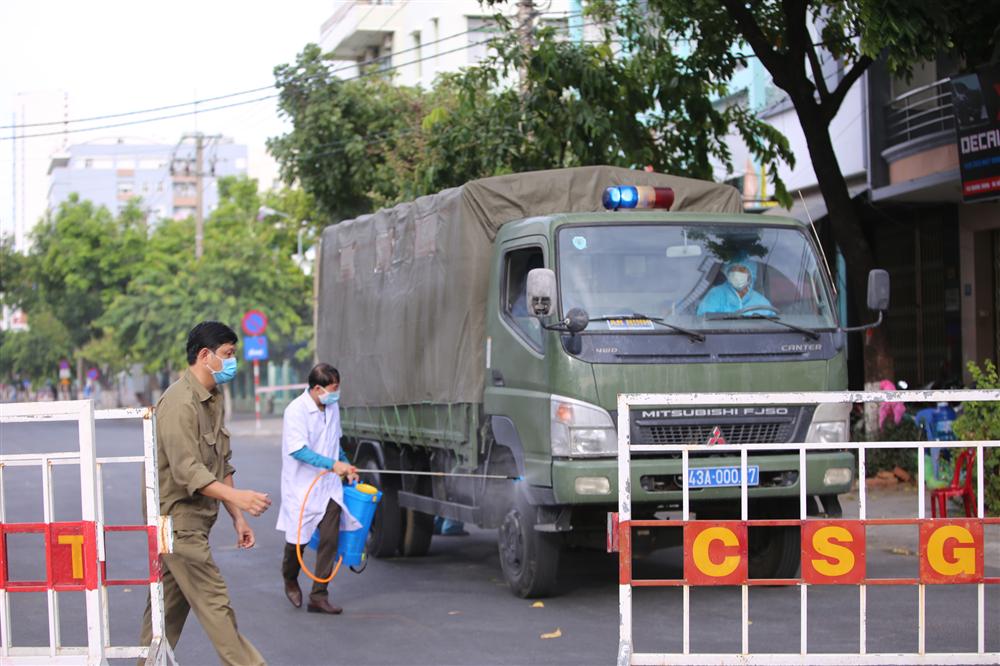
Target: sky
76	59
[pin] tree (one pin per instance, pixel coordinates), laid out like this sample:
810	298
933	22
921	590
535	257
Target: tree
359	144
780	33
247	264
81	258
35	353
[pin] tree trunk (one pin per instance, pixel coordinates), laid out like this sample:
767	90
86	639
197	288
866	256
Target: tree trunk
847	231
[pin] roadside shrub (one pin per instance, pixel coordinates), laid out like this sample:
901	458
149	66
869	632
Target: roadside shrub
905	431
981	421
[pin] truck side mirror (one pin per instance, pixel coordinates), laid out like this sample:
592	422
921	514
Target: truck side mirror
541	290
878	290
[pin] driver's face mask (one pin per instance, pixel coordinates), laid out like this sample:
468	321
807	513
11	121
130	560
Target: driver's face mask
739	278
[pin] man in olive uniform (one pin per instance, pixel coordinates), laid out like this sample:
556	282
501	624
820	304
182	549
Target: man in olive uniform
192	446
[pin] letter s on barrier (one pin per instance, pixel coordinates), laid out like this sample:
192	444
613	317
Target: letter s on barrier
824	543
964	560
703	559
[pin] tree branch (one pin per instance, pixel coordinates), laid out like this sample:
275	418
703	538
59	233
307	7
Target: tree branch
757	40
817	70
832	104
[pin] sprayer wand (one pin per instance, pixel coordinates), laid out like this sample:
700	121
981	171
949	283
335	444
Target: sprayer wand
504	477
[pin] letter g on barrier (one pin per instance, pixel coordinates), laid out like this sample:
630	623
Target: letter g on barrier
715	554
951	551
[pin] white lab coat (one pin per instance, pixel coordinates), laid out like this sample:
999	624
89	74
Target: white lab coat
305	424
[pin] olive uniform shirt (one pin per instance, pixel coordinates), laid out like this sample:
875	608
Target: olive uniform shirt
192	446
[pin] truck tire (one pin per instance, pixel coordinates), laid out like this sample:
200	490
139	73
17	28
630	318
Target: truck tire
775	552
529	559
417	532
386	531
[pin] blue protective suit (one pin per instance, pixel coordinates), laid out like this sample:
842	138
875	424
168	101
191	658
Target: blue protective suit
724	298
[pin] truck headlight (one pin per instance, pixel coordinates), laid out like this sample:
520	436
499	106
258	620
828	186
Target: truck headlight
580	429
826	432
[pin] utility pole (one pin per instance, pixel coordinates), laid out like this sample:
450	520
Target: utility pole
200	142
526	36
199	214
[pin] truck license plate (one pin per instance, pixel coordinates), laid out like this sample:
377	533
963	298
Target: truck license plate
710	477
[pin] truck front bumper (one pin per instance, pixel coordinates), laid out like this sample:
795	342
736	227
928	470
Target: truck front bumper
656	480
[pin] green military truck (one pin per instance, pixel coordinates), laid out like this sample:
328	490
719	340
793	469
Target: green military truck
449	364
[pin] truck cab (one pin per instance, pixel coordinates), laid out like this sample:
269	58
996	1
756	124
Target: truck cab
662	315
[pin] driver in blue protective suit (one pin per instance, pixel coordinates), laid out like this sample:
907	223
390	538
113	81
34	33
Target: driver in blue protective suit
737	294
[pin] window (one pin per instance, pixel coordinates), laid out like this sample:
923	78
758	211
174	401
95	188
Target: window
480	29
418	53
681	273
514	299
125	187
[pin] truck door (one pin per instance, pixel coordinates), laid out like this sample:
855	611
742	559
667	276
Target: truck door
516	377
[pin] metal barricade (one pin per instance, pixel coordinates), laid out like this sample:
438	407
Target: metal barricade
968	531
75	558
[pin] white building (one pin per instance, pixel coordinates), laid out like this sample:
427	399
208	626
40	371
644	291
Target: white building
112	172
422	38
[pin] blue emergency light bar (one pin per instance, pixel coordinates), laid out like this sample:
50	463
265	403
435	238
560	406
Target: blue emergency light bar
637	196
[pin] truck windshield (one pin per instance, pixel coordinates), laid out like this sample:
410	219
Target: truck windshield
701	277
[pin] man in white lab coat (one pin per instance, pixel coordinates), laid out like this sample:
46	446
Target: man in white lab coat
310	444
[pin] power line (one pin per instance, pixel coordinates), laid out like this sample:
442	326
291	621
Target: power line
249	91
245	102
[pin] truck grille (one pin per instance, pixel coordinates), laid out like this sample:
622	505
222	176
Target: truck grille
733	433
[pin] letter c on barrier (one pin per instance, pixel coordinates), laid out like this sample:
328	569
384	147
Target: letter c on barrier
963	560
75	542
824	544
702	557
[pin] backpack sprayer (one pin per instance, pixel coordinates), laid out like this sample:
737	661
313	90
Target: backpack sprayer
361	501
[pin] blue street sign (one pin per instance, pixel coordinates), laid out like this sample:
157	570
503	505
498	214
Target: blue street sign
255	348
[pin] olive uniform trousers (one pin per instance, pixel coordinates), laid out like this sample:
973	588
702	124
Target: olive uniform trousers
192	581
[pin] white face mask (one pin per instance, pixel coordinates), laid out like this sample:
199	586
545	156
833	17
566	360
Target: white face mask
738	279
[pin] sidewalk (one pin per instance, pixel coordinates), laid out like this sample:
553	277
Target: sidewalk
903	540
245	425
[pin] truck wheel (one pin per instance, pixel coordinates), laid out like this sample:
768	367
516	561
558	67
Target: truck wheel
386	530
775	552
529	559
417	532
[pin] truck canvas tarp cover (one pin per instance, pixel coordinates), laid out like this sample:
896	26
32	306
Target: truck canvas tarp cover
401	307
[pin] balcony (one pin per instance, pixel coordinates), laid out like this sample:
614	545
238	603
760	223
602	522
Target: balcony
920	148
358	26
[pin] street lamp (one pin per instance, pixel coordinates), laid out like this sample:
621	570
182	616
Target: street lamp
265	212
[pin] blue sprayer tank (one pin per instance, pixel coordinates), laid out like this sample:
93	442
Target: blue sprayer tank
361	500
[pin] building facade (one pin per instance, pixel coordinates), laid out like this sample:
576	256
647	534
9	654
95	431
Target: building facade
420	39
162	177
897	148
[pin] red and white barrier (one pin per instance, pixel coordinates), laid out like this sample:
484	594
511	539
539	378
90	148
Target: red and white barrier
716	553
75	557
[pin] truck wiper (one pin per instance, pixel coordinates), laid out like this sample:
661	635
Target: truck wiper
813	335
694	336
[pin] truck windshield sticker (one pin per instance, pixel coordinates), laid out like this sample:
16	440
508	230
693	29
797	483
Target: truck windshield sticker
630	325
579	242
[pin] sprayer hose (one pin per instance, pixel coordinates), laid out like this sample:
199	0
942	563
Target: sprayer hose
298	536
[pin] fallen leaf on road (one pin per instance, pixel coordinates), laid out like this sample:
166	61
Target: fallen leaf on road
454	612
538	604
901	551
555	634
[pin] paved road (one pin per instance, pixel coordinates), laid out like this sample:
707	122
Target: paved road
452	607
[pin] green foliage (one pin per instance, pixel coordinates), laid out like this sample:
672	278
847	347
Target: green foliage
246	264
356	145
888	459
981	421
35	353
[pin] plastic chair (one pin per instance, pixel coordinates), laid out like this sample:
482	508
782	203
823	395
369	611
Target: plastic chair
959	487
